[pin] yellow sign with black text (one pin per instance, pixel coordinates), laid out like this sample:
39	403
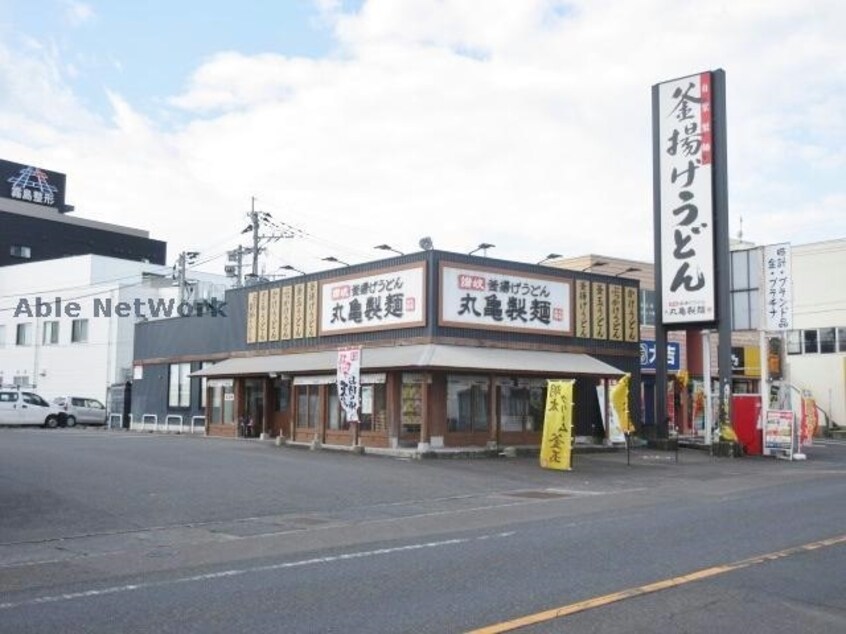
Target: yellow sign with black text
556	445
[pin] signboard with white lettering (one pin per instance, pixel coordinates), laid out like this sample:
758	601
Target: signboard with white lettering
648	352
474	297
685	151
387	298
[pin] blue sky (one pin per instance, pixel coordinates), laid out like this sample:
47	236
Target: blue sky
522	124
146	50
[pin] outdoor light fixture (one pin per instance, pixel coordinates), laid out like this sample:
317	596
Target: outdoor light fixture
332	258
288	267
551	256
630	269
484	246
388	247
595	264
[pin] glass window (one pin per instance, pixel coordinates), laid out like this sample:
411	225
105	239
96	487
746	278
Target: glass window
51	333
2	336
337	415
34	399
411	406
841	340
222	408
23	336
282	390
740	270
740	311
79	331
20	251
521	404
203	381
216	409
374	408
811	342
307	405
179	392
827	340
467	403
794	342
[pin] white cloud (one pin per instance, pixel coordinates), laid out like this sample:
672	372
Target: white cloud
78	13
524	124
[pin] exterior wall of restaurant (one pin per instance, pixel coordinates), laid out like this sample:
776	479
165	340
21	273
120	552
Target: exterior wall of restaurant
406	405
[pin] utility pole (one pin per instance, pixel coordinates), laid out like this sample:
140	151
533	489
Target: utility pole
181	271
254	221
259	220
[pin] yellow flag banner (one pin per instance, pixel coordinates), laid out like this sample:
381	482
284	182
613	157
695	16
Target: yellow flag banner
620	403
556	445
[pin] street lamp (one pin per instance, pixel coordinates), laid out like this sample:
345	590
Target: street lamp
630	269
594	265
332	258
288	267
484	246
388	247
551	256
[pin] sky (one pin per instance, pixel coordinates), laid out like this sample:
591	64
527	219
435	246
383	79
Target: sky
526	125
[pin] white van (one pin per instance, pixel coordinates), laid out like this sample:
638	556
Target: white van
19	407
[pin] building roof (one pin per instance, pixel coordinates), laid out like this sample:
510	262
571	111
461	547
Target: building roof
418	357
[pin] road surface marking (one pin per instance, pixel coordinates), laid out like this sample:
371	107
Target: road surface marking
362	554
614	597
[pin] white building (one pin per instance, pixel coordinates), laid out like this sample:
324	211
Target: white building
67	325
816	347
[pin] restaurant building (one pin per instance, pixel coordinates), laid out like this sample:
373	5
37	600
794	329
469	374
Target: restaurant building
456	351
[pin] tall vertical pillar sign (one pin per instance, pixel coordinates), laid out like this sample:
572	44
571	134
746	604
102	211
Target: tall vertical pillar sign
690	211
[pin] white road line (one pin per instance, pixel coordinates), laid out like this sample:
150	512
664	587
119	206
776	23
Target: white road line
234	572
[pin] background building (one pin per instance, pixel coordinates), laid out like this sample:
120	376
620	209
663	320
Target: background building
36	224
67	325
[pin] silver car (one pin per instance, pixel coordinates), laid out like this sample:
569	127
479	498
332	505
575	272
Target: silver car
82	410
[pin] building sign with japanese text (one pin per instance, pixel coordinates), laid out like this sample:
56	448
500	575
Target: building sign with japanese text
648	351
632	325
32	184
388	298
599	310
252	317
615	312
583	309
778	293
504	300
349	381
684	136
556	442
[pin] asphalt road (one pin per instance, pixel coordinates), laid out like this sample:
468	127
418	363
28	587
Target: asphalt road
122	532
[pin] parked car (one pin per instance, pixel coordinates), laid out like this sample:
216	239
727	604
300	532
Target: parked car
20	407
82	410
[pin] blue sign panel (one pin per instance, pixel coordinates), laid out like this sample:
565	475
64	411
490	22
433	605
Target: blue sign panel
647	356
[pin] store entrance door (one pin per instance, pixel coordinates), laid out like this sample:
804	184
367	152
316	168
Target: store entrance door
253	414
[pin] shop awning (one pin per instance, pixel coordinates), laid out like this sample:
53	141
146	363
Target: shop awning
418	357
